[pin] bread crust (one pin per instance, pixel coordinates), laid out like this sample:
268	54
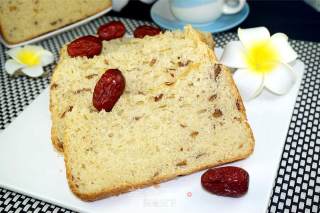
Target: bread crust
126	188
7	39
57	144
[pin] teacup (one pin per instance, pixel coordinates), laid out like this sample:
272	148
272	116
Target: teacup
204	11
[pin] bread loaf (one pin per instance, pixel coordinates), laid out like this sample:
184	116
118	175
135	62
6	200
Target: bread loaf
180	113
21	20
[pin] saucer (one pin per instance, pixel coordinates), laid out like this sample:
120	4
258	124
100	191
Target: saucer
162	15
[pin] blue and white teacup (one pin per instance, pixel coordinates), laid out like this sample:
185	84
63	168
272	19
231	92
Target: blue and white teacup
204	11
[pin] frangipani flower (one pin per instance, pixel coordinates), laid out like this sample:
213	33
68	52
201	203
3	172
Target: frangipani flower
262	61
29	60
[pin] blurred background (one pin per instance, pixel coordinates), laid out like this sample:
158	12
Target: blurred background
299	19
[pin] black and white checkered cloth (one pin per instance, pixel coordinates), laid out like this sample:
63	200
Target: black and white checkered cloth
297	185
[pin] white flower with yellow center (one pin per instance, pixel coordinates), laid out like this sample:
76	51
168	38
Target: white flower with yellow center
262	61
29	60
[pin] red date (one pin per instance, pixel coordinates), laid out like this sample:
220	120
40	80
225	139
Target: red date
111	30
108	90
226	181
145	30
88	46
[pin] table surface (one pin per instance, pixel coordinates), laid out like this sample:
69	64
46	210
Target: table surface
297	185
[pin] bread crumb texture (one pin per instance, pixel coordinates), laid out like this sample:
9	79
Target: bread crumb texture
180	113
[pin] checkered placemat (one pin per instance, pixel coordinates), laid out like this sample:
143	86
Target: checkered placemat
297	185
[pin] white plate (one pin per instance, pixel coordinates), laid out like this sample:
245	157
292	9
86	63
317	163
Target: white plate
55	32
29	164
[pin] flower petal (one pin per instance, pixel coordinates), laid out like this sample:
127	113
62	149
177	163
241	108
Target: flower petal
249	84
35	71
13	53
46	57
285	51
251	36
33	48
11	66
234	55
280	80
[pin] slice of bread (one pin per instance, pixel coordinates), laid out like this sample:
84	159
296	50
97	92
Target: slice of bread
180	113
65	90
25	19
